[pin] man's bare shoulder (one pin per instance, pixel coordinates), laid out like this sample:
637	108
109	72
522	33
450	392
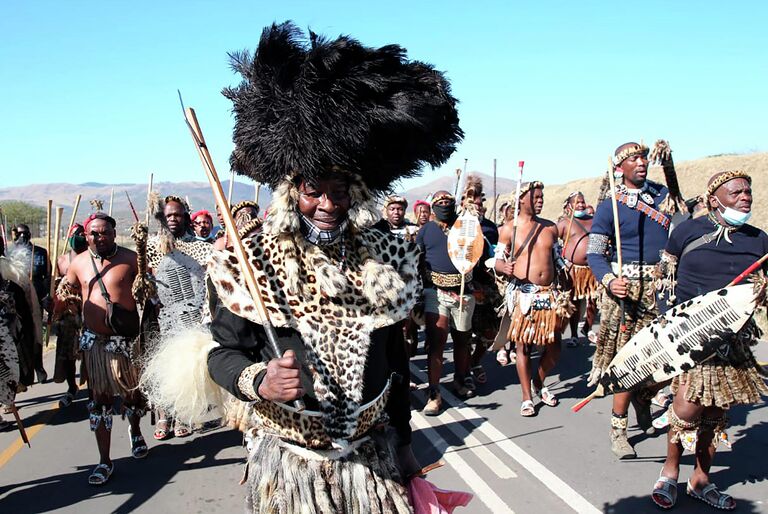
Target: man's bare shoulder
128	253
547	223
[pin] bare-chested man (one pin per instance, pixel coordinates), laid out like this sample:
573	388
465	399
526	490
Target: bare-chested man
67	327
103	275
573	227
533	310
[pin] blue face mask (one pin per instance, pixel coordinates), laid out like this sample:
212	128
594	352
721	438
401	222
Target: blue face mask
580	214
734	217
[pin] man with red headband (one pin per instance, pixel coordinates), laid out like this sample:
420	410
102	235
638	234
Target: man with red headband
422	211
202	224
98	282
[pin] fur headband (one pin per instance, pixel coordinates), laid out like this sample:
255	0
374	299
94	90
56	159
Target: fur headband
718	179
626	153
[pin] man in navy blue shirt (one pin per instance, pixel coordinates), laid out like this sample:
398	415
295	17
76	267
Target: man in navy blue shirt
629	300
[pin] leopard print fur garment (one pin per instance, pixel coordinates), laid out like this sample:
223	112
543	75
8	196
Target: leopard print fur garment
344	296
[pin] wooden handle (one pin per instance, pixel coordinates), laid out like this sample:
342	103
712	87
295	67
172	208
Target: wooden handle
71	222
616	230
747	271
234	237
597	392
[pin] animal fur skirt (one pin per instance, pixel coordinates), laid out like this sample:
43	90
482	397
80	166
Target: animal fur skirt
723	383
585	285
283	478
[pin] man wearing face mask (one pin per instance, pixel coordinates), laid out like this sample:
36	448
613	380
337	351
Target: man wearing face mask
67	326
704	254
202	223
629	299
41	280
444	312
573	228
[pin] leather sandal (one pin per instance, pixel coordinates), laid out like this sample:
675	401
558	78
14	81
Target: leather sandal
139	448
711	496
545	395
664	493
100	474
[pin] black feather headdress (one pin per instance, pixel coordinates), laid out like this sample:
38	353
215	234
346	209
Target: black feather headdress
307	106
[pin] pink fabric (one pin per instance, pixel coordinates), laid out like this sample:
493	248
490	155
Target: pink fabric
428	499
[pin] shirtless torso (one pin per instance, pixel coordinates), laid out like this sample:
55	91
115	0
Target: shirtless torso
576	243
534	240
117	273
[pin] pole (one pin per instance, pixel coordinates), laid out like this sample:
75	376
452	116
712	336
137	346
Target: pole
71	222
54	271
111	200
568	233
51	257
257	188
231	187
149	199
520	165
617	233
234	237
495	197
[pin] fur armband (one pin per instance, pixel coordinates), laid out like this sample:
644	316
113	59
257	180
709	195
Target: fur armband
759	281
664	277
606	281
246	378
67	292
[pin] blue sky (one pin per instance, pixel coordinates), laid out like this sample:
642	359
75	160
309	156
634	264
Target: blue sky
88	89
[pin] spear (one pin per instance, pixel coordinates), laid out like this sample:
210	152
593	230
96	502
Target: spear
520	166
71	222
51	257
111	200
568	232
130	204
231	186
149	199
234	237
495	197
257	188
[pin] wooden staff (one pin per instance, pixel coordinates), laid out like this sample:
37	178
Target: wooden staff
568	232
51	257
231	187
149	199
257	188
71	222
111	201
520	165
495	196
617	235
234	237
747	271
55	271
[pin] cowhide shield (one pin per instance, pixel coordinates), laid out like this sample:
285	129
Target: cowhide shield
181	291
9	356
683	337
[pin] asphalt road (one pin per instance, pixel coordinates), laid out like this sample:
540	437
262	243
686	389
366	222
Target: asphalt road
555	462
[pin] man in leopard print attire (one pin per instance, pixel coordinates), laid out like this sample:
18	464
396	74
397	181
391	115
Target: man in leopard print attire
334	288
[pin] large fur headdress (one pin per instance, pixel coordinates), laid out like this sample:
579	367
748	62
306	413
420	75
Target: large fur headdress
307	106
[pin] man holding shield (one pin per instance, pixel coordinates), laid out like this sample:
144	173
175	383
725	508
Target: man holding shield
704	254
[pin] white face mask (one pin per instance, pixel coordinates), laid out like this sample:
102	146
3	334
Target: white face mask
580	214
734	217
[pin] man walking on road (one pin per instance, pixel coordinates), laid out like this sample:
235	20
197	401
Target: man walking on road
100	281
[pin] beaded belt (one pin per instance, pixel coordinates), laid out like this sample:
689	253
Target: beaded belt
448	279
112	344
634	270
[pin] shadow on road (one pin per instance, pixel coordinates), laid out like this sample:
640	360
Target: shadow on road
139	480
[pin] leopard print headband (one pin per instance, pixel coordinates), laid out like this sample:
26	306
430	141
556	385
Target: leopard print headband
629	152
723	177
527	187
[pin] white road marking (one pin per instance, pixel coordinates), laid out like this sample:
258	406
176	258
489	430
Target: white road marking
563	491
476	446
477	485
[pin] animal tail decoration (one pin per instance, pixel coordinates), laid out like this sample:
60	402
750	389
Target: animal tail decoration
472	190
605	187
661	154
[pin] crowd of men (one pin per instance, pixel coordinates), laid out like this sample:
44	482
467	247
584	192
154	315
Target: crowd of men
301	342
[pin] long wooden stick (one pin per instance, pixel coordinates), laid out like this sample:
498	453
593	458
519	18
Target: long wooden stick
149	199
495	197
568	232
111	200
520	165
615	206
234	237
257	188
71	222
55	271
51	257
231	187
20	425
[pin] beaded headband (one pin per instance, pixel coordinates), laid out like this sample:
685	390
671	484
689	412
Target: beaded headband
395	199
725	176
527	187
444	196
241	205
629	152
567	201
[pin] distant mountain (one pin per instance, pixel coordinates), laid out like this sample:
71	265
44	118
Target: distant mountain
63	195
